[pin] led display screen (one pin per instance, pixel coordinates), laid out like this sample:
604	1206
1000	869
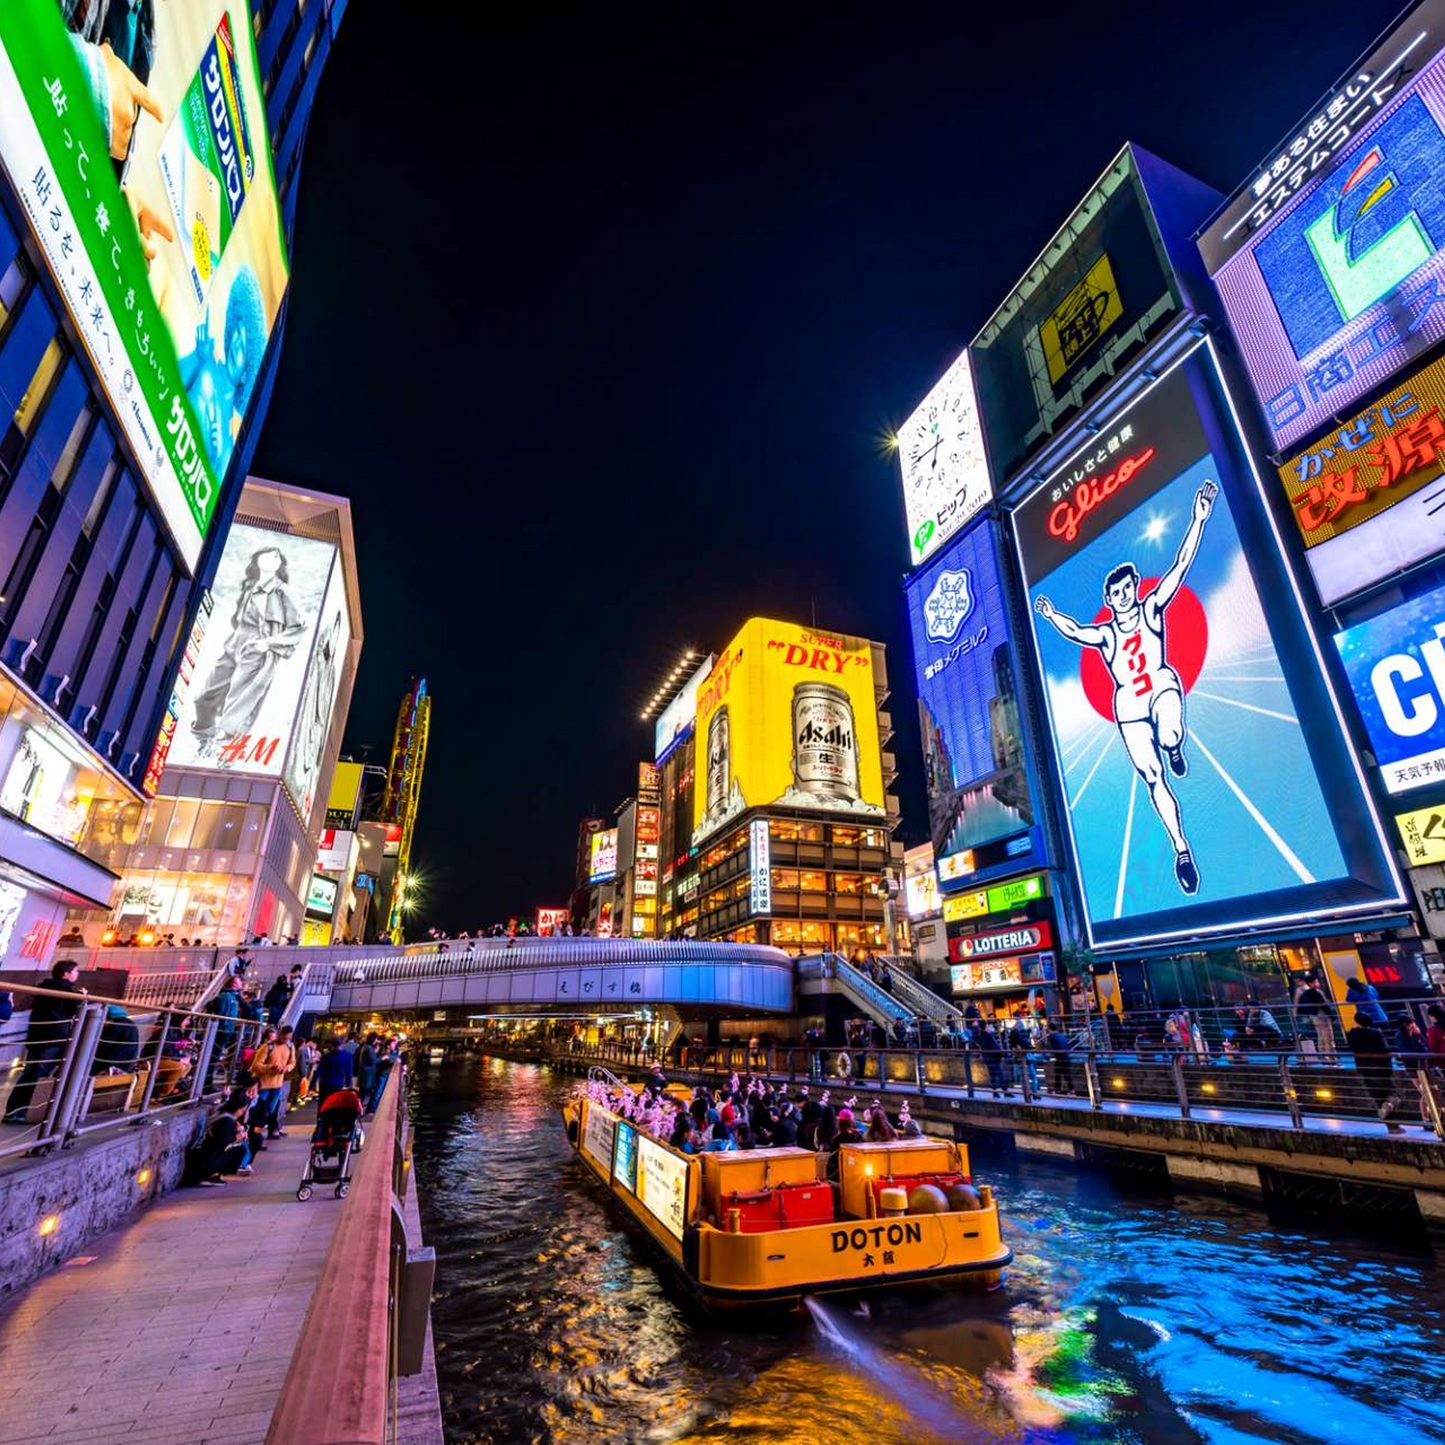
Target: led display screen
603	856
1368	498
158	219
788	715
624	1160
973	746
318	695
1202	760
1098	288
920	892
1396	667
1332	268
321	897
271	594
944	465
675	720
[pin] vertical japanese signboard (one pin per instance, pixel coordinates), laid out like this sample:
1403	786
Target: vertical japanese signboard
135	139
760	887
1331	262
1206	782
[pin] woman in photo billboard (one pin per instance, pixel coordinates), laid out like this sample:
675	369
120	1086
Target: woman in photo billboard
265	627
315	719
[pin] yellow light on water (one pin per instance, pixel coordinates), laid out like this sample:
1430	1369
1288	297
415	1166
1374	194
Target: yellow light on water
49	1225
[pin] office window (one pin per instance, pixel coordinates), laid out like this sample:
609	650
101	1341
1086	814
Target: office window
32	403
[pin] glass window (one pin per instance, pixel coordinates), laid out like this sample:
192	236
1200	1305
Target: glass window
65	462
156	821
183	822
207	816
12	283
789	831
102	494
29	407
785	877
846	836
251	828
228	827
848	882
812	882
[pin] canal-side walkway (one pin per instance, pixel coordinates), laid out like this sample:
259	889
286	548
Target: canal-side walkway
176	1328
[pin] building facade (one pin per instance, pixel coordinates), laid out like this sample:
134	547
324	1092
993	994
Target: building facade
114	491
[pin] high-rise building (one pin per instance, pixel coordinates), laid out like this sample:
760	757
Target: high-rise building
227	849
143	285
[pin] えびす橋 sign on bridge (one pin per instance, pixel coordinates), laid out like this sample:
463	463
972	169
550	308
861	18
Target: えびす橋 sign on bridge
1205	778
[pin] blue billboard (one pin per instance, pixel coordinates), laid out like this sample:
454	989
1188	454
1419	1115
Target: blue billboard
1396	667
1206	783
973	744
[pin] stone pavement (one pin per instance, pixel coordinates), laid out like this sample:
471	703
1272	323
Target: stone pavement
177	1327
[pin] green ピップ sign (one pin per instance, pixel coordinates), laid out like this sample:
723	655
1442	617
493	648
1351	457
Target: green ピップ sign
140	156
1015	893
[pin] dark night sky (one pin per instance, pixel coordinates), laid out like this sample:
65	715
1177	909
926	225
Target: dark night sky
598	321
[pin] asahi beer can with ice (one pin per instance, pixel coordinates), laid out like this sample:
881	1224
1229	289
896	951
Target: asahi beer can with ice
719	761
825	743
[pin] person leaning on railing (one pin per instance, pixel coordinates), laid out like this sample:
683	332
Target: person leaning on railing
51	1020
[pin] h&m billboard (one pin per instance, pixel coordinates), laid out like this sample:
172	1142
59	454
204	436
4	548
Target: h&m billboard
1207	785
974	758
1331	262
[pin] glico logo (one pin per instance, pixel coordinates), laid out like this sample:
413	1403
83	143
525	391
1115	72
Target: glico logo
1090	494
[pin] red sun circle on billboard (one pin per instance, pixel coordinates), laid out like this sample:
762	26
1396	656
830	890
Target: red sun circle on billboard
1186	643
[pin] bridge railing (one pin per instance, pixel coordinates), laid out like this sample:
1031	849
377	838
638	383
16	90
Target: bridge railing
1404	1089
80	1062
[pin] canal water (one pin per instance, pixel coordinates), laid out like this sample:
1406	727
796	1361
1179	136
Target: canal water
1126	1316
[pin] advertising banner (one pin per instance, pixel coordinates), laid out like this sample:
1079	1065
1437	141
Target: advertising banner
333	853
1022	938
1098	288
1423	834
598	1135
1396	667
270	595
662	1184
945	467
135	139
674	722
920	892
1368	499
550	921
1202	760
185	680
1330	266
321	897
318	696
624	1164
603	863
1001	973
788	715
973	745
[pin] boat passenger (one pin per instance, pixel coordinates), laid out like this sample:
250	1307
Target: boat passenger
785	1125
684	1137
655	1082
880	1129
722	1139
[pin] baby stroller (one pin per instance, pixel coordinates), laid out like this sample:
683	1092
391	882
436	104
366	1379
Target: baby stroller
338	1131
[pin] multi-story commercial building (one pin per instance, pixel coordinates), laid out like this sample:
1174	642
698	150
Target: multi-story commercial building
134	374
227	849
792	820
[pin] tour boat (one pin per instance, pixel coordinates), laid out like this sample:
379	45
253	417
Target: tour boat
761	1227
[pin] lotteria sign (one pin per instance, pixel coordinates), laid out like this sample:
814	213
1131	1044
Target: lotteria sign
1331	266
1207	785
1396	667
1023	938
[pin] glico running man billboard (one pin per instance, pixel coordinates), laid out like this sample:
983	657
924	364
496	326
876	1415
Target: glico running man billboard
1331	262
788	715
272	593
135	138
973	746
1207	783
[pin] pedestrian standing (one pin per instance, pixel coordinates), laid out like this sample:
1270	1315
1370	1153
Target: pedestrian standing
272	1062
1375	1065
1313	1010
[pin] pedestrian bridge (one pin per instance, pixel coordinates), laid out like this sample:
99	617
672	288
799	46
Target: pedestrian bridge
507	974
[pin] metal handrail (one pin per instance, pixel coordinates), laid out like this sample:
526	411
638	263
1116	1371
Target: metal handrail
1286	1088
867	992
80	1052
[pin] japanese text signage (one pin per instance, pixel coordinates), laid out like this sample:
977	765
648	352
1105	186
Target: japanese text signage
157	217
945	468
973	745
1368	499
662	1184
603	856
1423	834
760	861
1396	667
1016	893
958	906
1332	268
599	1133
1196	790
1001	973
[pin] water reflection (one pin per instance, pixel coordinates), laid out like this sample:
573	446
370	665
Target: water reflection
1126	1317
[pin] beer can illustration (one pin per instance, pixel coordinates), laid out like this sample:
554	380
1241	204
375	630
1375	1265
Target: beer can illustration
825	742
719	762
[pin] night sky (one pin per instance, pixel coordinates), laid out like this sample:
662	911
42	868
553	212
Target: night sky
600	320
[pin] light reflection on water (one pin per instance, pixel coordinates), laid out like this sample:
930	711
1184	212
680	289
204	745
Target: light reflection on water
1127	1319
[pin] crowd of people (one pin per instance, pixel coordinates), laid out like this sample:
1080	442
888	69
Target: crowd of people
753	1113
